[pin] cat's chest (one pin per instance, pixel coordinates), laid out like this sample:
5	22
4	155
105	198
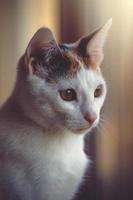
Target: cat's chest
61	156
55	158
60	170
54	164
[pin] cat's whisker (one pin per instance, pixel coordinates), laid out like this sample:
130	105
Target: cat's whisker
103	127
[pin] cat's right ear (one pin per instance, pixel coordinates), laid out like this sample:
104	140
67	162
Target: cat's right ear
42	45
90	47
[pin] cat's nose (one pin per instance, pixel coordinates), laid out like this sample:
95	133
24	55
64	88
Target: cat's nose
90	117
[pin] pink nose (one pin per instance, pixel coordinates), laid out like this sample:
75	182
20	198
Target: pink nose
90	117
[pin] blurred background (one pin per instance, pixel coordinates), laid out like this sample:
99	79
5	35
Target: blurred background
110	146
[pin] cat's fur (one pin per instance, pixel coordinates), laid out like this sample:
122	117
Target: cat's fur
41	135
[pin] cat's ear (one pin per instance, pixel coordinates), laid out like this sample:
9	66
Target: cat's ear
41	47
92	45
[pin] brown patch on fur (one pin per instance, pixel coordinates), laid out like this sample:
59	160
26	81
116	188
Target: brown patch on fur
87	61
74	66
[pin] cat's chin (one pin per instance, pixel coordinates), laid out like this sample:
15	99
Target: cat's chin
84	130
81	130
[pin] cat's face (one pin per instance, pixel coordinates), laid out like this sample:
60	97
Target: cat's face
66	80
78	101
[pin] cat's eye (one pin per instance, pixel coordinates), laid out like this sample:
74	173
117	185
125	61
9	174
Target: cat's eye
98	91
68	95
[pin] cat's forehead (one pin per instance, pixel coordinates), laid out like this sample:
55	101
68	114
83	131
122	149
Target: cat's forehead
76	62
85	79
67	64
88	78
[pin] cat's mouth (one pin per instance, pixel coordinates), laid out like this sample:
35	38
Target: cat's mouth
82	129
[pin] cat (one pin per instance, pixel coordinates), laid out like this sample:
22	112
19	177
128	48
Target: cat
56	101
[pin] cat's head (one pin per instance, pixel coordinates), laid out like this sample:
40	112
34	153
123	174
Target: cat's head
65	82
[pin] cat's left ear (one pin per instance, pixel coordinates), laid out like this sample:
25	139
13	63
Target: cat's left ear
41	48
91	47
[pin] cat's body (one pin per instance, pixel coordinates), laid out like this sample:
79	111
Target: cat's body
36	162
42	127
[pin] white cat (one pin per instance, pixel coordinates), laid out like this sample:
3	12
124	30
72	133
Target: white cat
56	100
